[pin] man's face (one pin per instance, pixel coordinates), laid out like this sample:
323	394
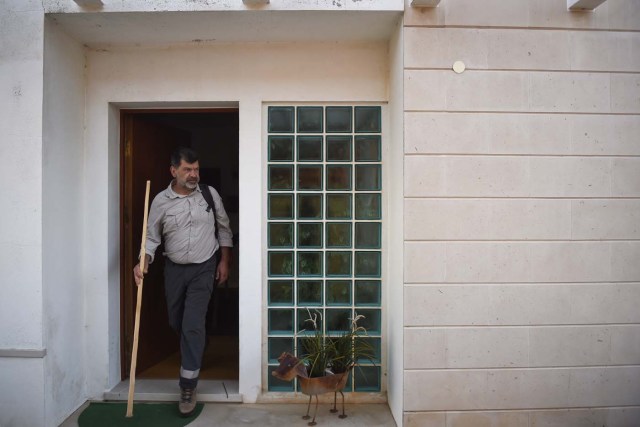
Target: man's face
187	175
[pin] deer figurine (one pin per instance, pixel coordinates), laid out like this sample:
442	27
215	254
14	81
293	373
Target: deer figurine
291	367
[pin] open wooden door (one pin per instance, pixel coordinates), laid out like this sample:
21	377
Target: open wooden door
146	150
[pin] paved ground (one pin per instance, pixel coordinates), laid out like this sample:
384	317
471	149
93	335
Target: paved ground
280	415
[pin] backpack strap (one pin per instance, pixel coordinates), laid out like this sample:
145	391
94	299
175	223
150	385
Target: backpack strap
208	197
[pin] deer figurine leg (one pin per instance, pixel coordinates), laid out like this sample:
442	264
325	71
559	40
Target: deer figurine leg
313	421
306	417
343	415
334	409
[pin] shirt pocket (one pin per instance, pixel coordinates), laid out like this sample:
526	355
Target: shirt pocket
203	213
174	218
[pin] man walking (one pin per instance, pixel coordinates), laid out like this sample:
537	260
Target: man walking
197	241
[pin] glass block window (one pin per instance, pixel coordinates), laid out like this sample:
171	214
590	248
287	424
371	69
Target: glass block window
324	230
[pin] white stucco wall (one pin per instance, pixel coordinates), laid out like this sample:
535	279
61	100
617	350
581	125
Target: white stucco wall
62	259
21	59
245	74
522	205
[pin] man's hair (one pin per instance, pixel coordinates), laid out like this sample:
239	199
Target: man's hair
183	153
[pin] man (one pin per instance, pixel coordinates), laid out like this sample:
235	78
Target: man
181	216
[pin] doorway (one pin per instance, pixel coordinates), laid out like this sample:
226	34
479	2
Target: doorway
147	139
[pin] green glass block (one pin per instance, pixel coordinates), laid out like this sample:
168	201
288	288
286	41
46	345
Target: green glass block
309	206
367	148
339	177
339	119
280	206
277	346
280	234
367	264
281	119
309	235
368	119
310	177
304	323
368	206
280	177
280	264
309	263
280	321
280	292
276	384
338	292
310	119
338	235
339	148
368	235
310	148
280	148
371	321
375	347
338	263
309	292
338	319
366	378
367	292
338	206
368	177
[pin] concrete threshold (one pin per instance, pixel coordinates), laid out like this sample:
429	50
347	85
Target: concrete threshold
147	390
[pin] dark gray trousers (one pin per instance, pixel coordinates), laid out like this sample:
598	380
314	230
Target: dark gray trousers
188	289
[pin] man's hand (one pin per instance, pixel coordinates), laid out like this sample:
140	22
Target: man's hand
138	273
222	274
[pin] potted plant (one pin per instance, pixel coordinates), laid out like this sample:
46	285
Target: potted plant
325	361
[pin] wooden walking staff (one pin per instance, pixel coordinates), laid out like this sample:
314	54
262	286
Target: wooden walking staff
136	328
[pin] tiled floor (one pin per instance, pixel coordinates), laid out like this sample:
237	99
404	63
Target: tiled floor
280	415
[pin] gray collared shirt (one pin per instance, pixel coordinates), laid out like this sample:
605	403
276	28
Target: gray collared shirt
187	226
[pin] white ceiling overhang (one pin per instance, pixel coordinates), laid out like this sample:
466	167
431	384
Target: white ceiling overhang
102	29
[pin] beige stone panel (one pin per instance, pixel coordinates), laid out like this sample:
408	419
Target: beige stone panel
424	348
607	386
487	262
441	47
424	262
439	305
623	14
487	91
605	219
570	176
486	176
617	51
487	13
425	90
488	419
527	388
605	134
626	177
554	14
529	304
610	417
603	303
424	419
625	93
495	133
424	176
570	92
445	390
528	50
486	219
570	346
487	347
570	262
625	261
625	344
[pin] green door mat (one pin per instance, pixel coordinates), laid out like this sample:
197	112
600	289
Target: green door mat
102	414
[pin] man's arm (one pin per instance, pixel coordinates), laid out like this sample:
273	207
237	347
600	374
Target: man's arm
139	272
154	231
225	238
222	274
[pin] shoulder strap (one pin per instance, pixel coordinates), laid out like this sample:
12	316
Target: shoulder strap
208	197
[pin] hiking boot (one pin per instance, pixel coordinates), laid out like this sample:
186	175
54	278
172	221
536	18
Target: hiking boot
187	402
